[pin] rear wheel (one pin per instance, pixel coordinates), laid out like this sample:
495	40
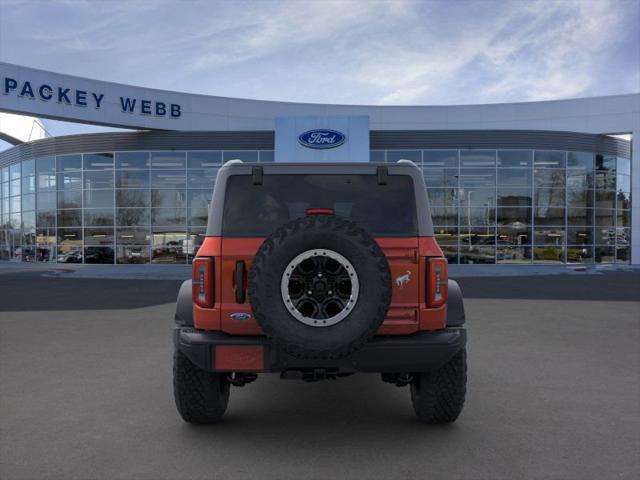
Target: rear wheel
438	396
201	396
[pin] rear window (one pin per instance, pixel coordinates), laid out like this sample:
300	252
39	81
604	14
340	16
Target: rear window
257	210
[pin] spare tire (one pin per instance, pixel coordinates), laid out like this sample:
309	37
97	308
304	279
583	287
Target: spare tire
320	287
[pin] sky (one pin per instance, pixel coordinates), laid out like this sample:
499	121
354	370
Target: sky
395	52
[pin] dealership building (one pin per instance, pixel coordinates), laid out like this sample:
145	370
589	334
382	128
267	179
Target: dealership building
517	183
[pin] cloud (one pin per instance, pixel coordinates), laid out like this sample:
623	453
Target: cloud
338	51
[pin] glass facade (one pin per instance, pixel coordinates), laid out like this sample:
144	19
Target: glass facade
488	206
526	206
110	207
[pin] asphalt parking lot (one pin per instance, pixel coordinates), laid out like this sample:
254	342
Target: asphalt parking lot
554	392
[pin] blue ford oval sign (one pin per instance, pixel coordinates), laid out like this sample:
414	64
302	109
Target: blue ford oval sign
322	138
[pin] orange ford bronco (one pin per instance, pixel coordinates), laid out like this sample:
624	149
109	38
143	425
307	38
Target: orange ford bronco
317	271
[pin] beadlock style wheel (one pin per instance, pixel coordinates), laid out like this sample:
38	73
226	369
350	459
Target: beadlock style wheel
320	287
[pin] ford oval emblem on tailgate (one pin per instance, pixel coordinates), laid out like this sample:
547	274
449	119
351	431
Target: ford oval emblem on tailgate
322	138
240	316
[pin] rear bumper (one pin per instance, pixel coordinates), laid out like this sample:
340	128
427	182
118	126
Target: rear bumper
420	352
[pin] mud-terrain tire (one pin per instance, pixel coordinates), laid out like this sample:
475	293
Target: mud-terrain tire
303	235
201	397
438	396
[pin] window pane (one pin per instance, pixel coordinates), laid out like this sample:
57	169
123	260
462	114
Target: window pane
478	247
515	158
168	246
198	216
517	197
374	156
548	216
443	196
477	177
440	159
480	197
98	236
579	216
579	178
583	160
250	157
46	181
549	197
623	218
70	218
549	159
168	216
579	198
514	234
69	180
98	199
446	235
549	178
168	160
14	204
46	200
441	177
580	236
605	235
132	160
14	171
69	252
623	200
477	216
70	199
444	215
510	254
29	221
168	198
46	219
605	254
45	165
514	176
98	217
204	159
623	254
605	163
69	162
514	216
98	179
548	254
168	179
580	254
14	187
605	199
132	178
549	236
132	254
623	166
413	155
199	198
202	178
267	156
98	254
28	184
605	218
623	183
477	158
28	168
29	202
133	236
98	161
132	198
132	217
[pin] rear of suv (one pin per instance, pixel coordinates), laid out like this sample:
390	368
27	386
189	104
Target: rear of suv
318	271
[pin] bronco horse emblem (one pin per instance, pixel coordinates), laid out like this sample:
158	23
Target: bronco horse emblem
402	280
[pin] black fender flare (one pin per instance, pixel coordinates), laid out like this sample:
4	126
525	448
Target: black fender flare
455	305
184	305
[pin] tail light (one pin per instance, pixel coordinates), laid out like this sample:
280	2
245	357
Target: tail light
437	282
203	282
